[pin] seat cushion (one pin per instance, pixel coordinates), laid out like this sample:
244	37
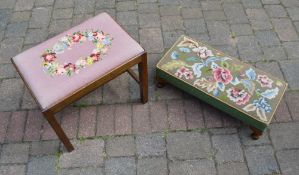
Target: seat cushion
69	61
227	83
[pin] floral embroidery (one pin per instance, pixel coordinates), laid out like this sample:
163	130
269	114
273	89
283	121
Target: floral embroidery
203	52
240	97
184	72
222	77
265	81
51	66
261	106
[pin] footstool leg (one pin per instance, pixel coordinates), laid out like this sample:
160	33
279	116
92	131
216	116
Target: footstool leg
58	130
160	83
256	133
143	78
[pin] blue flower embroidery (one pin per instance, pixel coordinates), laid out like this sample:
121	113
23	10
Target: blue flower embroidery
263	104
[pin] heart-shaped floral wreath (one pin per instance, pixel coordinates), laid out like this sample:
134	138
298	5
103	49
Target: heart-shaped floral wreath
52	67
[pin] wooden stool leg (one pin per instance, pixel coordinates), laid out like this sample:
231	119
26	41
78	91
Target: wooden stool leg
59	131
256	133
160	83
143	78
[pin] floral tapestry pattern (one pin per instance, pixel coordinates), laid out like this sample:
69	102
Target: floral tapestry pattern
225	78
100	40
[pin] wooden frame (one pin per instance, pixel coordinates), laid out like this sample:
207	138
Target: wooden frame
142	79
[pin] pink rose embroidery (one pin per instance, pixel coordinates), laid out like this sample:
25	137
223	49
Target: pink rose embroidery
184	72
265	81
240	97
76	37
49	57
95	57
222	75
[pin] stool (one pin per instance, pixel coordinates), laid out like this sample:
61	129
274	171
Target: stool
72	64
239	89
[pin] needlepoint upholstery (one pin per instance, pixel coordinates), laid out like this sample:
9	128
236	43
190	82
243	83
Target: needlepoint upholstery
66	63
230	85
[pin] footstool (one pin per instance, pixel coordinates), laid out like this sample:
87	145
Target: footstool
239	89
72	64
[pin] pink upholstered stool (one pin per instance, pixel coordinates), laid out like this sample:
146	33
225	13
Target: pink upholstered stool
78	61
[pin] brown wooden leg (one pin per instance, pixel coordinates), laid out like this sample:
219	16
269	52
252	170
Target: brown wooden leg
256	133
160	83
143	78
58	130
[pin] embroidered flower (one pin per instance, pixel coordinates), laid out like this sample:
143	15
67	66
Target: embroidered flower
240	97
52	67
261	106
184	72
203	52
222	75
265	81
262	103
49	57
76	37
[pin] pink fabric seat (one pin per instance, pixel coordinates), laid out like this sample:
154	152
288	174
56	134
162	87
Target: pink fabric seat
49	90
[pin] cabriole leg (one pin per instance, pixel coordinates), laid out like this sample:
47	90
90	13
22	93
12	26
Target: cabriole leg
256	133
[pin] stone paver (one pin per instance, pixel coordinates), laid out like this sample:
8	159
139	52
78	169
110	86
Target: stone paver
5	116
150	145
174	133
152	166
276	11
120	146
201	167
151	39
86	153
249	49
291	49
292	99
44	148
40	17
120	166
184	146
105	120
274	53
284	135
234	168
289	68
261	160
87	122
15	129
235	13
82	171
40	165
13	169
288	161
228	148
267	38
11	91
285	29
22	5
15	153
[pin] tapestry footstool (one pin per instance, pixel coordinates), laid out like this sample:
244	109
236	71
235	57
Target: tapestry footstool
72	64
237	88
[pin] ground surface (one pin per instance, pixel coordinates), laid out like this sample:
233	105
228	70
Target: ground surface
172	134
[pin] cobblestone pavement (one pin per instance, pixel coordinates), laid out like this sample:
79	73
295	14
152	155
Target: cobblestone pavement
174	133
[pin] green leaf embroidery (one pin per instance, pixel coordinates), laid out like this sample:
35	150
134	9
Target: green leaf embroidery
174	64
